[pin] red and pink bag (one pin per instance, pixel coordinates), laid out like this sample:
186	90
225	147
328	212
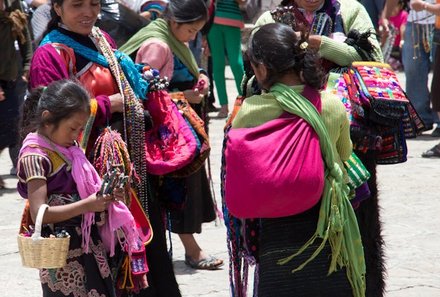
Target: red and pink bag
171	144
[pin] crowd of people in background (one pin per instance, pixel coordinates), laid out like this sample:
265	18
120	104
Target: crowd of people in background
101	58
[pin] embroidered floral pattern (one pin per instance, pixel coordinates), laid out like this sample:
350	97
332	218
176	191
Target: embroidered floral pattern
101	258
69	280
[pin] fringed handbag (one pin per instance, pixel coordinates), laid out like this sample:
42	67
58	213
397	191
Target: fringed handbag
171	144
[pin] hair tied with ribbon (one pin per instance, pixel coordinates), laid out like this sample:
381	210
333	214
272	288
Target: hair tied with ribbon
303	45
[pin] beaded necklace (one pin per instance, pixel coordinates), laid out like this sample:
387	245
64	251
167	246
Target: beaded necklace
133	112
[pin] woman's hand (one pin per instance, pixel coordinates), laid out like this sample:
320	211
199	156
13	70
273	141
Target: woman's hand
314	42
418	5
193	96
116	103
203	84
98	203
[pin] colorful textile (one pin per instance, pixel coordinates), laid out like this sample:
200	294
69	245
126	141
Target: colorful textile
387	110
159	29
132	72
171	144
297	168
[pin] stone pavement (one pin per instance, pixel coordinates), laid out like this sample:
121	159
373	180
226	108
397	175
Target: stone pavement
409	199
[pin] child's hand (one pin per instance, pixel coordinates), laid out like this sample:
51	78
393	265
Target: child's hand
119	195
98	203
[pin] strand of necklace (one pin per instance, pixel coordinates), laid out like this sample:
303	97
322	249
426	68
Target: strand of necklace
134	125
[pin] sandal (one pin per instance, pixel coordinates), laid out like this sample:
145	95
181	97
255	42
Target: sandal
209	263
433	152
222	114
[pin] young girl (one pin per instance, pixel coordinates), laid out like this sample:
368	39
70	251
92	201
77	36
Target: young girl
311	248
53	170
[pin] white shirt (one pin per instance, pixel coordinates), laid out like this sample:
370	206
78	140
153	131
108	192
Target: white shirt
421	17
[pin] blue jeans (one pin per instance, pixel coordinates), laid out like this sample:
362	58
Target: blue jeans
417	64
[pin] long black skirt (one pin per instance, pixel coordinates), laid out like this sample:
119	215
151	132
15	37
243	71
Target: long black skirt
282	237
198	208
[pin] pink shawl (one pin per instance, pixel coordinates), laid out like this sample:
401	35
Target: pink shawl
88	183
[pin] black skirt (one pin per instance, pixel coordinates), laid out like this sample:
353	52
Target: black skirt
198	207
282	237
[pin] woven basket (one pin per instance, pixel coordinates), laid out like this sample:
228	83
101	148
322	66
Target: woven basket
40	252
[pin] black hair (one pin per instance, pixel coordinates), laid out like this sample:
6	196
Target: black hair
62	99
286	2
54	18
186	11
279	48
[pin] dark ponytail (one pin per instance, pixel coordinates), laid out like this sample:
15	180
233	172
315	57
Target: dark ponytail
55	19
279	48
29	119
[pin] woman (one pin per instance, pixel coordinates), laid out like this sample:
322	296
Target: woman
71	47
162	45
225	37
329	23
290	71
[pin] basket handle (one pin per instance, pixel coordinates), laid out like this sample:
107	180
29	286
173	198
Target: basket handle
39	221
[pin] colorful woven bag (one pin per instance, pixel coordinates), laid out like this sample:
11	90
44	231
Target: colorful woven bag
386	113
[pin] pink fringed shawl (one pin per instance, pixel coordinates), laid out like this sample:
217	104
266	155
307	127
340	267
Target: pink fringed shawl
88	183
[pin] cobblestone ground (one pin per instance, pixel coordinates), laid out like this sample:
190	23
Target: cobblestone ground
409	199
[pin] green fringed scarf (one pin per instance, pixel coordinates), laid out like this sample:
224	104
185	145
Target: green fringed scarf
337	222
159	29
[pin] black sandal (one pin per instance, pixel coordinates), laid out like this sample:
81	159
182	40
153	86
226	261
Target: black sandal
433	152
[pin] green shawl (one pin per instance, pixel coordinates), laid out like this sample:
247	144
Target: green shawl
159	29
337	222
